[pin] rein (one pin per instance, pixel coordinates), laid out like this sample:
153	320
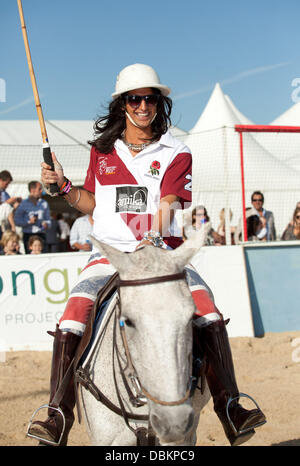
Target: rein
151	280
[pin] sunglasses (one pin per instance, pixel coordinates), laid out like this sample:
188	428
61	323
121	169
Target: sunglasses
257	200
136	100
297	216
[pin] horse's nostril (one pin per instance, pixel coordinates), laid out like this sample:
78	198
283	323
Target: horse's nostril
173	424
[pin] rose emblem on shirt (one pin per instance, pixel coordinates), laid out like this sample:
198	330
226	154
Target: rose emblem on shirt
154	168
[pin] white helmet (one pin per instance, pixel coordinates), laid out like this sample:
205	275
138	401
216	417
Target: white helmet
136	77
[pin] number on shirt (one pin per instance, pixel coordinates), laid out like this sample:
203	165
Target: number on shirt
188	186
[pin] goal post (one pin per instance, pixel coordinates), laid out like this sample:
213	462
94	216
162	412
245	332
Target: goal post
280	146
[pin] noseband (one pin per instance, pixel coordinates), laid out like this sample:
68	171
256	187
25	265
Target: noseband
131	370
151	280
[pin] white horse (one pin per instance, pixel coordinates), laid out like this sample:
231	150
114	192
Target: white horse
156	323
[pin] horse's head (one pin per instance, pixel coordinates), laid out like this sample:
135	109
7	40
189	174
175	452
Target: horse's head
158	326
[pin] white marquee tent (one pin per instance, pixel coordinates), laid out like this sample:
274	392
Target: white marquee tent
21	150
285	146
218	112
291	117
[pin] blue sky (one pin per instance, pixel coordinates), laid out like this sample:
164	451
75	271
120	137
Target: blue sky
78	48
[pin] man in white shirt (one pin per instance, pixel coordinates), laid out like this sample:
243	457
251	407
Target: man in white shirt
268	231
80	230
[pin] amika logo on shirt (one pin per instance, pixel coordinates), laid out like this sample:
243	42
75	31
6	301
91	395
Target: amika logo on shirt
131	199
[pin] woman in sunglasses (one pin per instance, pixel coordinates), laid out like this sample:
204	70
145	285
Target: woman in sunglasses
292	231
137	177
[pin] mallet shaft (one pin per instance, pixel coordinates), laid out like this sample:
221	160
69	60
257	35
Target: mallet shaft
46	148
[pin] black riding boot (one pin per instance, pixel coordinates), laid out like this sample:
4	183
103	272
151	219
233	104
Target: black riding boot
52	431
238	423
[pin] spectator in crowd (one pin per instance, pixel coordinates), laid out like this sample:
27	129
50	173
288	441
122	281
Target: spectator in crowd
6	203
256	228
7	221
221	228
64	233
33	214
10	243
81	228
292	231
199	218
257	200
53	235
5	180
292	219
35	244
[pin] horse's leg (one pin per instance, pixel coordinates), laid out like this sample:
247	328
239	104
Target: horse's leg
200	399
105	428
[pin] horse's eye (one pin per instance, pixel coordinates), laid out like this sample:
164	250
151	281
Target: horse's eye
129	323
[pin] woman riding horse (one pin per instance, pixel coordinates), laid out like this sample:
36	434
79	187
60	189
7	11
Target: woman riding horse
137	177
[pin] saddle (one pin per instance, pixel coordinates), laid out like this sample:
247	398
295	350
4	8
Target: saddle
103	296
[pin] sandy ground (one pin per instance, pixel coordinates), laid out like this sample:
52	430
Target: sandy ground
267	368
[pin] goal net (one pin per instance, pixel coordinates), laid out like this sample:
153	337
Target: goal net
230	163
278	170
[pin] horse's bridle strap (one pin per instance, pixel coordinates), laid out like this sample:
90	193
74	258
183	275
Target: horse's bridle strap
152	280
167	403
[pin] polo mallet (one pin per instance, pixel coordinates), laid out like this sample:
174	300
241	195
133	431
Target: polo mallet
46	147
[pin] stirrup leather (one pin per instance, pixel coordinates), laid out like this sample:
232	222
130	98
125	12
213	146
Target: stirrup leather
242	431
48	442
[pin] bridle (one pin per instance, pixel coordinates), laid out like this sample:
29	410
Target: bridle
130	370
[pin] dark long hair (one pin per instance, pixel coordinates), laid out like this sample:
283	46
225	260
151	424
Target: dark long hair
296	211
108	128
194	212
252	225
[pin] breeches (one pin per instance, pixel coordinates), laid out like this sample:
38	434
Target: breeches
98	271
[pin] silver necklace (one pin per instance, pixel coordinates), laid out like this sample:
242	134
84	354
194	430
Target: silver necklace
135	147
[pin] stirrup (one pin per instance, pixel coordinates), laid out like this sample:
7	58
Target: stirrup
48	442
248	429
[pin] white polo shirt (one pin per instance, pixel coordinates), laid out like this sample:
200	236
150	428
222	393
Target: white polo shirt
128	189
80	230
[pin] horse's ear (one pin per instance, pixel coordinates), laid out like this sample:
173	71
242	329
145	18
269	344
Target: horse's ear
184	253
117	258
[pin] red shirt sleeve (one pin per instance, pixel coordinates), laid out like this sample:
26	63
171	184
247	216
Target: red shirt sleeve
177	179
89	183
